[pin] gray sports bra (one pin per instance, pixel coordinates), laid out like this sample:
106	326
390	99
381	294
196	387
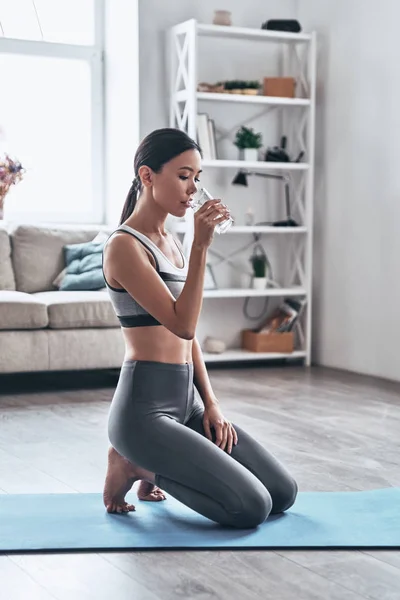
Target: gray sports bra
128	311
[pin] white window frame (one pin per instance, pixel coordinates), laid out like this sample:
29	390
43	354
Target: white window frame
94	56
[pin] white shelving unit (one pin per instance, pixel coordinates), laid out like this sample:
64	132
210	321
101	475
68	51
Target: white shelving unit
242	355
299	55
182	228
246	33
242	99
250	293
255	166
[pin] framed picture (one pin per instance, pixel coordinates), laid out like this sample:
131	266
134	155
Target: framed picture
209	279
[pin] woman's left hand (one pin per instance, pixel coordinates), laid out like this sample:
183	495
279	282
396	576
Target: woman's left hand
226	435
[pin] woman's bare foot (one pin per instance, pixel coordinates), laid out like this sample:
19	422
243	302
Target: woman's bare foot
150	492
121	475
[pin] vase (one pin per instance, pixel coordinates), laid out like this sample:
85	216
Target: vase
213	345
249	217
259	283
222	17
248	154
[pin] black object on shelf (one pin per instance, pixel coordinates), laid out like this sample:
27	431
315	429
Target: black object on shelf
241	179
291	25
279	154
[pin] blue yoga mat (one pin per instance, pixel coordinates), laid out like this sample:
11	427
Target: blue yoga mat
369	519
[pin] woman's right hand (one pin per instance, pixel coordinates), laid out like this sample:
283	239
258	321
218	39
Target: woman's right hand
205	219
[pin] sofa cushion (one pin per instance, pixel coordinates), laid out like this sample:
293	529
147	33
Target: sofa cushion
21	311
25	350
78	309
66	280
84	267
7	279
38	255
77	349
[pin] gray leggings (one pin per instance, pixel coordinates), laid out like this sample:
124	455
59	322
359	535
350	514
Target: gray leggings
155	421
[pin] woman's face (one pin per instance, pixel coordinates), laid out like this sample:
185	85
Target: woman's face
177	181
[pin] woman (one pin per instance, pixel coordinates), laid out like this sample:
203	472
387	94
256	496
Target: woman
160	432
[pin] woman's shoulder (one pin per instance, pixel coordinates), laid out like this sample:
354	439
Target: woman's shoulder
119	237
121	245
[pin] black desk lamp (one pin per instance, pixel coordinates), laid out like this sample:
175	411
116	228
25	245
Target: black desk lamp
241	179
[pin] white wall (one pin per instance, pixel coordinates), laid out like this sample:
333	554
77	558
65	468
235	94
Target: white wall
357	245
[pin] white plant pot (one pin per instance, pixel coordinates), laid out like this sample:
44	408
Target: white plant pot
259	283
248	154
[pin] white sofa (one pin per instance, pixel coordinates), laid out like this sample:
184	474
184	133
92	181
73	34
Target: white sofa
42	328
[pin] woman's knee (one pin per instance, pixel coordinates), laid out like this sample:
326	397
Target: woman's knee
256	506
284	495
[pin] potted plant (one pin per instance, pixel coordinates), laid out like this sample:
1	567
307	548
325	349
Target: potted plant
251	88
240	86
260	264
232	86
248	143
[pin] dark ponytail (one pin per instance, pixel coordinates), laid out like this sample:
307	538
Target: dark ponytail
154	151
130	201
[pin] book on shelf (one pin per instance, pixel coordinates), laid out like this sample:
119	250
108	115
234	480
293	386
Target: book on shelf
206	136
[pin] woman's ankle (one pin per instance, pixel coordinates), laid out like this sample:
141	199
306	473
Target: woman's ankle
134	469
147	475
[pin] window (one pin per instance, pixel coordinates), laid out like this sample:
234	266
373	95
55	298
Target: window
67	22
51	109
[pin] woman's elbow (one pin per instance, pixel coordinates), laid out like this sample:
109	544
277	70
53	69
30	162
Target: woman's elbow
185	334
179	331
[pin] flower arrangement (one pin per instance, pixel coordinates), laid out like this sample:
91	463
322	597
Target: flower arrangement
11	173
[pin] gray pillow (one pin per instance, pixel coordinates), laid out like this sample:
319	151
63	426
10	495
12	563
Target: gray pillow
83	267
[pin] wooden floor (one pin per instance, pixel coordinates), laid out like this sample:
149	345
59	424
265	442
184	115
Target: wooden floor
334	431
